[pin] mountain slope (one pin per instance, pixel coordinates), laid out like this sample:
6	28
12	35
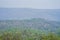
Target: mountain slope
35	23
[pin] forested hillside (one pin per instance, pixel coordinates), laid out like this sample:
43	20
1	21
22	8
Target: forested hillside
29	29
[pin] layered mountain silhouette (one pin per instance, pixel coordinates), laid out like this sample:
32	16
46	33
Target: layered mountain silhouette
27	13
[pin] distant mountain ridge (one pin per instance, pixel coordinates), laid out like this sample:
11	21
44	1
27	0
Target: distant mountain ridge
26	13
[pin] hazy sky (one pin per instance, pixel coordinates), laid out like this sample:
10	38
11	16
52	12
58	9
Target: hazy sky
40	4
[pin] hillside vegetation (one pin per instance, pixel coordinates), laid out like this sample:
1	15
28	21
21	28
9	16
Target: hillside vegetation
32	29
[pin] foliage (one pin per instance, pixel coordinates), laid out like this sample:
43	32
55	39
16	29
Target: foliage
27	35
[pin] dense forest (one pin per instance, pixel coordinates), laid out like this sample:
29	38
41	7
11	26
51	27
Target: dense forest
32	29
